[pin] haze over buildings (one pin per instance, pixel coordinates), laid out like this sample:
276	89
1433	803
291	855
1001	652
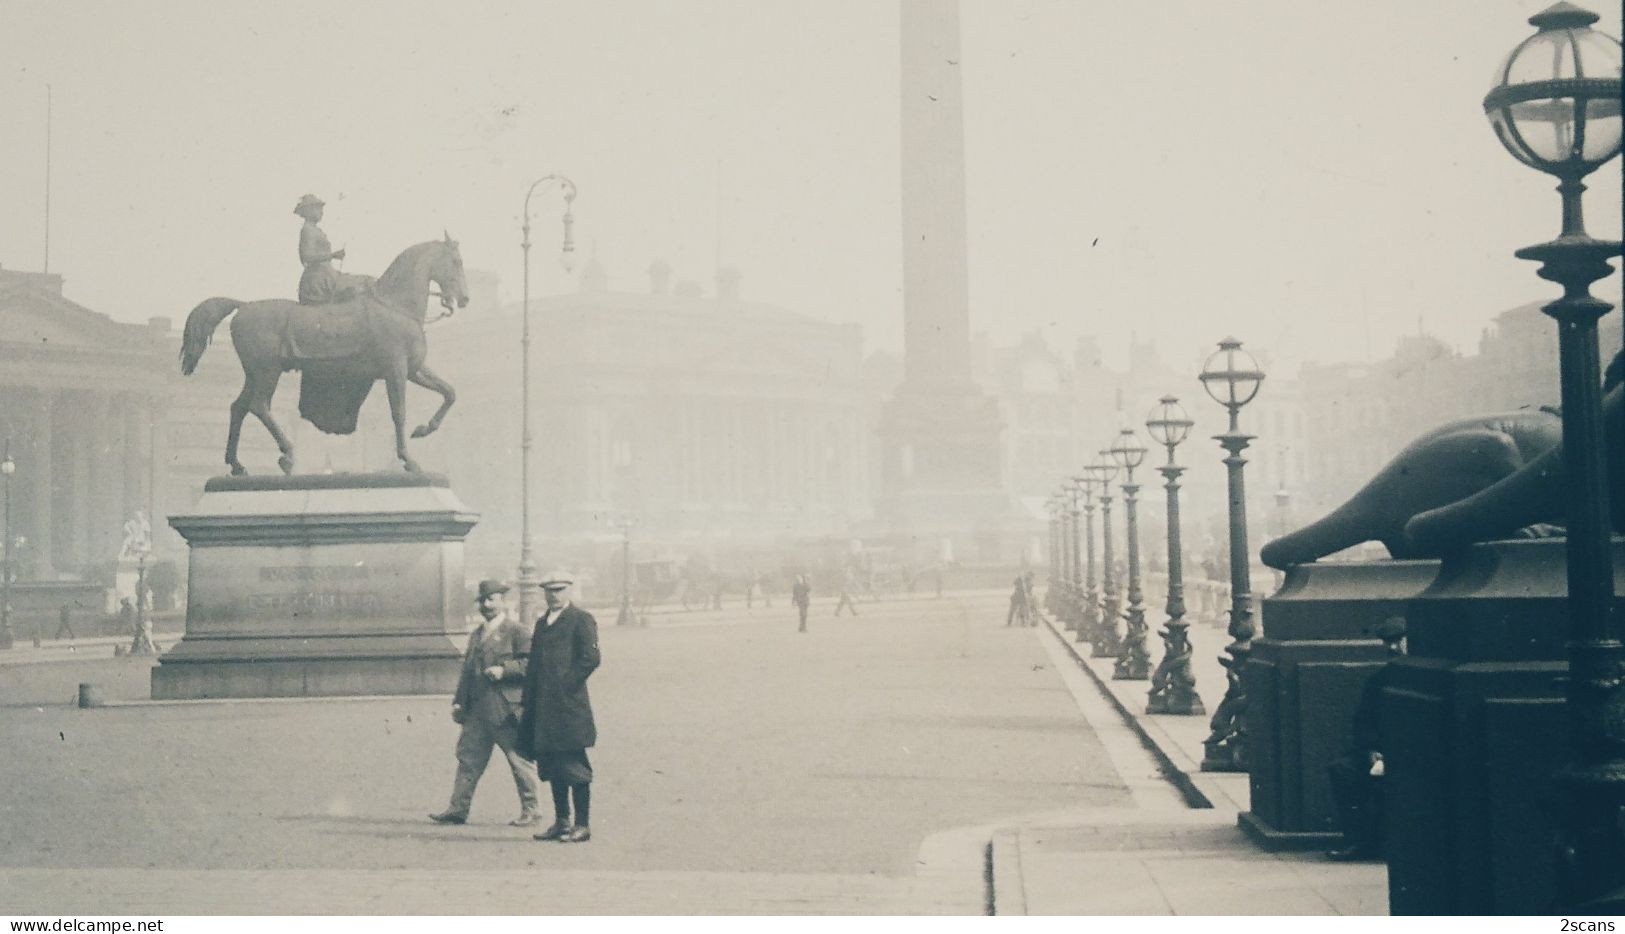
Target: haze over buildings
1272	200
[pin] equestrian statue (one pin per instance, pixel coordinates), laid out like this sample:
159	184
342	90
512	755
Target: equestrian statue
343	336
1472	480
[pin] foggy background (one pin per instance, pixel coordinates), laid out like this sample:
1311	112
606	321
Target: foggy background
1315	178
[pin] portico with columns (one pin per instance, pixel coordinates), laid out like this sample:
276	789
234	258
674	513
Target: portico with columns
81	397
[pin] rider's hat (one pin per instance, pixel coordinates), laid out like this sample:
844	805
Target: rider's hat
308	201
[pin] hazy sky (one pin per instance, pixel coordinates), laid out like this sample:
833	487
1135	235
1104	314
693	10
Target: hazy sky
1312	176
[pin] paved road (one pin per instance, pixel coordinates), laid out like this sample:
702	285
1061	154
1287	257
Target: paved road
798	766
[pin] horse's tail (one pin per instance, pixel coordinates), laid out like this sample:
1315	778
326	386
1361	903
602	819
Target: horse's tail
200	325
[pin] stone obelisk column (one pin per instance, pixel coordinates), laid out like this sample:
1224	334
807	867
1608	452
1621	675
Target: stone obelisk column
943	470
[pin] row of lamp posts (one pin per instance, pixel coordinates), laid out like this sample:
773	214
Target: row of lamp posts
1556	107
1232	378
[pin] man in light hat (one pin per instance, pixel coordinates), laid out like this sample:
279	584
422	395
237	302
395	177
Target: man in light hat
487	705
557	727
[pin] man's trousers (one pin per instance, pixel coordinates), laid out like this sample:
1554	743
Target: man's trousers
474	753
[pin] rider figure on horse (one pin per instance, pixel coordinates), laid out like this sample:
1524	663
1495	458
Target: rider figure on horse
321	284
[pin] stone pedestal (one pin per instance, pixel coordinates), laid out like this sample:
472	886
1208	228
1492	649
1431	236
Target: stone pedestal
1304	679
1473	726
942	474
321	585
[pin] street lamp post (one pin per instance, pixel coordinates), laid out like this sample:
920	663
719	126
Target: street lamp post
1052	595
1556	108
626	617
1075	618
528	584
1173	684
1134	664
1058	587
1232	377
1106	643
1089	624
7	468
1063	602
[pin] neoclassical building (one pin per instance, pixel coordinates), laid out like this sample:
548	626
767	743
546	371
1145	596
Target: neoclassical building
705	417
100	425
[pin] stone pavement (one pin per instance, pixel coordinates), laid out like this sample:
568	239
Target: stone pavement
1162	857
859	768
781	787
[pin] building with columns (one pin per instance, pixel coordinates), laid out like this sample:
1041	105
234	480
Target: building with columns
709	418
81	405
101	425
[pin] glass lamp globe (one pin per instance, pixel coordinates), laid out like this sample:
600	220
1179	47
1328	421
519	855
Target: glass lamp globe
1127	450
1167	423
1231	376
1556	101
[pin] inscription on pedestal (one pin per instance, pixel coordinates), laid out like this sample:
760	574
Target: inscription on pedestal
321	585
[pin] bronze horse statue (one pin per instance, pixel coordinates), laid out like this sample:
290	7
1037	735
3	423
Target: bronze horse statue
342	349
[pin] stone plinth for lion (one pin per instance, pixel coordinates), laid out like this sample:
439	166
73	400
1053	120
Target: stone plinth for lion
320	585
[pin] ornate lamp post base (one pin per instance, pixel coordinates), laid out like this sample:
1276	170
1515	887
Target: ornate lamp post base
1133	662
1225	749
1107	642
1089	628
1173	685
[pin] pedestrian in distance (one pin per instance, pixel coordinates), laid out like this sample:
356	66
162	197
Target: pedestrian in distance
801	596
64	623
1031	598
487	706
848	584
557	728
1018	603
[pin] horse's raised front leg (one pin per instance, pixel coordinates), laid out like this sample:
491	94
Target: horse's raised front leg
395	388
260	404
427	378
239	410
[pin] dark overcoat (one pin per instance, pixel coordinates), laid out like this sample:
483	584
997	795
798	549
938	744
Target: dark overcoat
557	712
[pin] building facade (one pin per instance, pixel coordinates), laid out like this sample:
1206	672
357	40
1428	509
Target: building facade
705	418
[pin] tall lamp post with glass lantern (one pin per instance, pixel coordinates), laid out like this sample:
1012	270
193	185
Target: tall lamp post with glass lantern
1134	664
528	584
1089	597
1063	588
1054	555
1173	684
1074	618
1556	108
1069	519
1107	644
1052	594
1232	377
7	468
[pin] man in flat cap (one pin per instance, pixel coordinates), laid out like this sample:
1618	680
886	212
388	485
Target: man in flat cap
557	727
487	705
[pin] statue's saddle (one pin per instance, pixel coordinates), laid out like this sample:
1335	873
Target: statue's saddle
328	332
